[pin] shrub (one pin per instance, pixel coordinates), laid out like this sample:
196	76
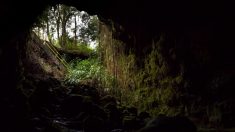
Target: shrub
83	70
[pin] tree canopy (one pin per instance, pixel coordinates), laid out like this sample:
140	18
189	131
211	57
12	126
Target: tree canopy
64	25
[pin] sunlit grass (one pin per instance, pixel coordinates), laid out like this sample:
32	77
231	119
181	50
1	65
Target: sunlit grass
83	70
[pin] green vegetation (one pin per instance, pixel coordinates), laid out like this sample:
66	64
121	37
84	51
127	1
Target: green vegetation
83	70
150	88
65	26
75	33
79	48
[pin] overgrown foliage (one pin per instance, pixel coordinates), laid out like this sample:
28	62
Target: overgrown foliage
79	47
83	70
151	88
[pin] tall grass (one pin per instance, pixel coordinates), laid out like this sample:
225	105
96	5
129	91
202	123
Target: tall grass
150	88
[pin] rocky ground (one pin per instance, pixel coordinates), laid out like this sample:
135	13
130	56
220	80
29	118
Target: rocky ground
55	107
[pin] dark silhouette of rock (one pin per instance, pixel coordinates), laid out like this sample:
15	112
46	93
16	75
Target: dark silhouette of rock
143	115
143	118
117	130
74	104
108	99
169	124
132	111
114	115
94	124
85	90
130	123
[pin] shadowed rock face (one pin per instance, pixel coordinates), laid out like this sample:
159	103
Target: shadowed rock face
169	124
39	61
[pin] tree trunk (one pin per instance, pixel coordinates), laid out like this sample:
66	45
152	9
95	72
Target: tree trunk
63	37
38	32
48	31
75	30
58	30
63	22
43	33
57	13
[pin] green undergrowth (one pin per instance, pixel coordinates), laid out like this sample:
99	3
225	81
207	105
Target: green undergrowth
149	88
79	47
72	47
90	72
83	70
158	85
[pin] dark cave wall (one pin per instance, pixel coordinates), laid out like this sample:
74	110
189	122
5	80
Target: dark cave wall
201	53
200	33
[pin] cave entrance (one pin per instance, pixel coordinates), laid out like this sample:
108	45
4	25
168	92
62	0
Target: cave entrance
168	80
95	72
69	39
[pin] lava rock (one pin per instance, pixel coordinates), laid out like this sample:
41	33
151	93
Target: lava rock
130	123
114	115
75	104
107	100
94	124
170	124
